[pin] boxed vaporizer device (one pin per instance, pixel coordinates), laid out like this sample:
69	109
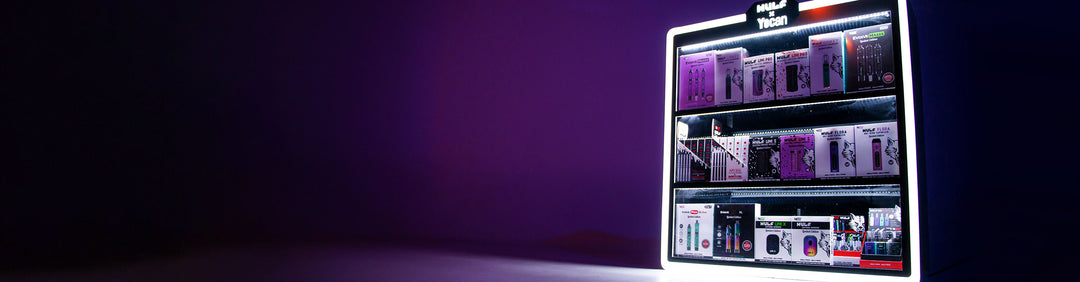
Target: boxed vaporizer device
696	85
812	242
826	63
879	149
701	164
869	58
792	74
765	158
834	151
693	230
736	158
797	156
734	230
729	76
759	82
773	238
847	243
883	233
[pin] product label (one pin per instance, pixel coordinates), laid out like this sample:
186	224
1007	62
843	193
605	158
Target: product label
792	74
759	79
729	76
696	75
826	63
869	58
797	156
693	230
834	151
879	148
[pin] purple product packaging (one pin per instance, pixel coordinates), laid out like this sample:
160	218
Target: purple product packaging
826	63
729	76
765	158
879	149
869	58
696	85
759	81
792	74
797	156
737	150
834	151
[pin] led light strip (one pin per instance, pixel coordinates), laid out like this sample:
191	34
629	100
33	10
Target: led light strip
792	105
884	186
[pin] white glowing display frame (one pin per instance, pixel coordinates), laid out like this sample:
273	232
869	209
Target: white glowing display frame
755	273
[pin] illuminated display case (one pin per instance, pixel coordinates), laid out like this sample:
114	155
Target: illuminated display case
819	147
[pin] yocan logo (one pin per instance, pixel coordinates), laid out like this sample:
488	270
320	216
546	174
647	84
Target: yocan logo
769	14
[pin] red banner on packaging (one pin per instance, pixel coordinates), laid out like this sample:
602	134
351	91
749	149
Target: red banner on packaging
899	265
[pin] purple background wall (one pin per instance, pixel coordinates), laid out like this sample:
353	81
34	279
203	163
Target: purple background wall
142	128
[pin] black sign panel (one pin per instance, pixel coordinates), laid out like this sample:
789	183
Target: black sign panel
772	14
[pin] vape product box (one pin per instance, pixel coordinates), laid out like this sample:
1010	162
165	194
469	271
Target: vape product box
792	74
696	85
848	233
759	78
812	242
869	58
797	156
693	230
729	76
735	158
773	237
826	63
765	158
834	151
683	162
883	235
879	149
700	158
735	231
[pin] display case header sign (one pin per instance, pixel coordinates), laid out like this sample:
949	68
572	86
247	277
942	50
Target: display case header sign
772	14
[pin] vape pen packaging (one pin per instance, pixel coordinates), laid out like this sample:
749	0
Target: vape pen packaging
834	151
683	162
696	75
792	74
826	63
701	167
765	158
848	232
879	149
797	156
693	230
758	78
773	238
869	58
729	76
736	159
735	230
812	242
